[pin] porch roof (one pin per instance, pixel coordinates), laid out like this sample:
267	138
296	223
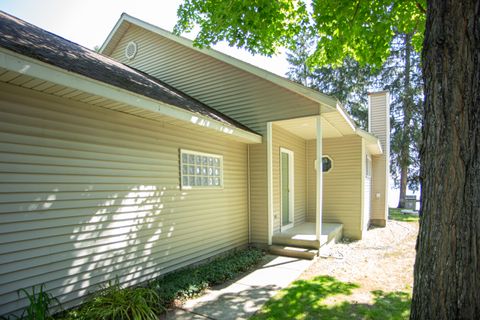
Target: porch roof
334	125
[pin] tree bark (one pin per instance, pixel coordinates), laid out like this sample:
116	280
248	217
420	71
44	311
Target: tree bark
447	266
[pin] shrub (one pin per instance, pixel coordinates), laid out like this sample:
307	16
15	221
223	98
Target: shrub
40	304
184	284
190	282
115	303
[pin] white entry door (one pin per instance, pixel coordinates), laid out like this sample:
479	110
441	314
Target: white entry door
286	188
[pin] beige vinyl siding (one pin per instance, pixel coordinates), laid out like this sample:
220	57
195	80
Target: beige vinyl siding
342	186
258	193
284	139
87	194
241	95
380	127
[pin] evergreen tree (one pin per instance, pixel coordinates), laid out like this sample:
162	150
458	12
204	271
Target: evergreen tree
347	82
401	75
350	82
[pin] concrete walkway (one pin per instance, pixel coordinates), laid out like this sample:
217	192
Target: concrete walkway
243	297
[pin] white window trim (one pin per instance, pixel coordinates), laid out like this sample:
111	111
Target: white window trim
291	186
331	160
187	151
368	160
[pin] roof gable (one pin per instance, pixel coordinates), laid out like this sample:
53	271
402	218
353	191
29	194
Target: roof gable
242	95
125	19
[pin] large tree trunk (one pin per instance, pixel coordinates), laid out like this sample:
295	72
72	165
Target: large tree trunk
447	267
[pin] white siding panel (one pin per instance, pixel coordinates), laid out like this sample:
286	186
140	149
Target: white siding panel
87	194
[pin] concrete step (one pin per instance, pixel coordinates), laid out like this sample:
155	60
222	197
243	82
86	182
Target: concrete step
303	236
300	243
294	252
334	235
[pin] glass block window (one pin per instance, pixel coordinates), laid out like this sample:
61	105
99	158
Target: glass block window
200	170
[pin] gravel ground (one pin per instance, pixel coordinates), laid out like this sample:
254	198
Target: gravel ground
383	260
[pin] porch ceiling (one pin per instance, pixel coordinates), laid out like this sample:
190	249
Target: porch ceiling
306	127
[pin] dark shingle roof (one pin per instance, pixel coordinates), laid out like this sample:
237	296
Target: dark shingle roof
29	40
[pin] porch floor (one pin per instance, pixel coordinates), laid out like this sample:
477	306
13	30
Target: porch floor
303	235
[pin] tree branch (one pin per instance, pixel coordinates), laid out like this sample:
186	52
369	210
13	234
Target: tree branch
421	8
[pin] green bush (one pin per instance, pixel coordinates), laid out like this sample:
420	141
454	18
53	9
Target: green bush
116	303
190	282
180	285
40	304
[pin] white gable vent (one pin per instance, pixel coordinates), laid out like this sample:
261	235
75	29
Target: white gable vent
131	50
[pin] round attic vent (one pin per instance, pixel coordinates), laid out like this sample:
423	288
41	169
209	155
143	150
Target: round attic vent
130	50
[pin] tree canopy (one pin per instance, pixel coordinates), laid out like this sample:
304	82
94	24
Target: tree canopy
362	30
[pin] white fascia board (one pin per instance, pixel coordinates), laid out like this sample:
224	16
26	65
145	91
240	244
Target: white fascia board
112	33
372	142
326	101
345	116
38	69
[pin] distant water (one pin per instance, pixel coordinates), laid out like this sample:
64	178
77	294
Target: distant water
394	194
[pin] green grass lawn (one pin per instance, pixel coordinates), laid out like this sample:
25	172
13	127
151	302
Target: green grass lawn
305	299
396	214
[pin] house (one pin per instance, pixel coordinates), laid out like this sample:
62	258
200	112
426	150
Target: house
155	154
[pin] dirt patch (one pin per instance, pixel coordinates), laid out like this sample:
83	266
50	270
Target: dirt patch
383	260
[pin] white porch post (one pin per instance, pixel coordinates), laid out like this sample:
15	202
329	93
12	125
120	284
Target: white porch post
319	195
269	182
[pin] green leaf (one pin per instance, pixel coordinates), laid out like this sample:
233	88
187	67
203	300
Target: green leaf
362	30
